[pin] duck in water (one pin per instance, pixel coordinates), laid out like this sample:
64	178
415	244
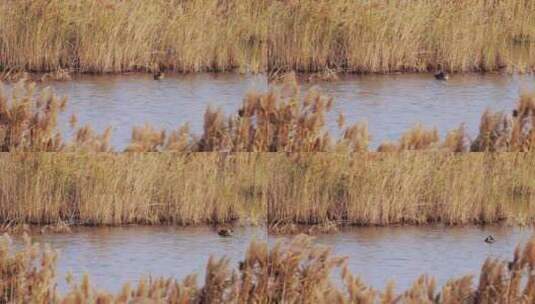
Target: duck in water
441	75
158	76
224	232
490	239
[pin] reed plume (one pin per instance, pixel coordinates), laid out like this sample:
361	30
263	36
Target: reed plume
297	271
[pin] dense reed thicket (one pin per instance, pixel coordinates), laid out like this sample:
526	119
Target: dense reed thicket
284	189
118	36
295	272
283	119
114	189
259	35
387	36
406	188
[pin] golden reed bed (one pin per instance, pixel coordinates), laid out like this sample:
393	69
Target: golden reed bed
294	272
326	189
266	35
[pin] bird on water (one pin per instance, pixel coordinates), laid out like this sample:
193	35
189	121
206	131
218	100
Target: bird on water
158	76
441	75
224	232
490	239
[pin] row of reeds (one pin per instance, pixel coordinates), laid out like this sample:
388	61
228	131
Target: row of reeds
293	272
388	36
261	35
118	36
283	119
114	189
328	189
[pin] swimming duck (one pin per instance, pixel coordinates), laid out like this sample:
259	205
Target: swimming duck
158	76
490	239
224	232
441	75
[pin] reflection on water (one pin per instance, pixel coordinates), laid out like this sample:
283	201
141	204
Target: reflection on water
113	256
379	254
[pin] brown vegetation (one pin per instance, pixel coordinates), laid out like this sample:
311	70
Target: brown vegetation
325	189
115	189
294	272
390	36
118	36
281	120
266	35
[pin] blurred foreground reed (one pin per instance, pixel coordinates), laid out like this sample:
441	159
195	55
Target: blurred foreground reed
294	272
283	119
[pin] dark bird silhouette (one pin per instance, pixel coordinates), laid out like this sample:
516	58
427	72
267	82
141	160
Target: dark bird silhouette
224	232
158	76
490	239
441	75
515	113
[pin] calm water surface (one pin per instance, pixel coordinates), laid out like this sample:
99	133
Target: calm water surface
125	101
389	103
113	256
379	254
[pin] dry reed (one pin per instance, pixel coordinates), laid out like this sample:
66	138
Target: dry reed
286	120
405	188
259	35
291	272
390	36
326	189
119	36
114	189
283	119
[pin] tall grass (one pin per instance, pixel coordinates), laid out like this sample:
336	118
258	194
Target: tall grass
303	188
259	35
406	188
114	189
295	272
118	36
389	36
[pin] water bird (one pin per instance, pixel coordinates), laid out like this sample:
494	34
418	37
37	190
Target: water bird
490	239
224	232
158	76
441	75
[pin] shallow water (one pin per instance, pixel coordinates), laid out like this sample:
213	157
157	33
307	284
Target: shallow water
113	256
390	104
125	101
401	254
